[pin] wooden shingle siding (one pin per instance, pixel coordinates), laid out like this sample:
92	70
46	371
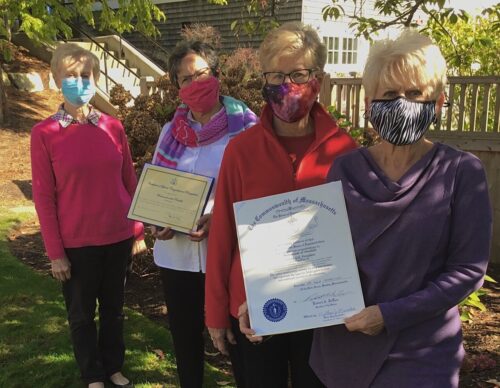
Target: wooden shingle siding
314	9
220	17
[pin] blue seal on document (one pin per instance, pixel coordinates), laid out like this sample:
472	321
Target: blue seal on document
274	310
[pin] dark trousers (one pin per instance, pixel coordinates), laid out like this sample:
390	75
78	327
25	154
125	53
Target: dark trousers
185	298
97	273
267	365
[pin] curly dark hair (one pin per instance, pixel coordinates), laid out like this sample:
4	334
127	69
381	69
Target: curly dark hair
183	48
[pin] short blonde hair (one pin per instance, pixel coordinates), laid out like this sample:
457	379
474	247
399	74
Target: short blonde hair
66	51
291	38
411	58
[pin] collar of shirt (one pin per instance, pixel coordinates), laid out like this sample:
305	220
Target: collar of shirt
65	119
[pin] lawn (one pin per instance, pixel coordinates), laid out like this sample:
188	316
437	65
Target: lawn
35	348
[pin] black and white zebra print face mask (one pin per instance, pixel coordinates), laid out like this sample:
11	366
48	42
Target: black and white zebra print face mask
401	121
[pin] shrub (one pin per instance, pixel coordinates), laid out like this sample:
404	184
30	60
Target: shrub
202	32
364	137
472	304
241	78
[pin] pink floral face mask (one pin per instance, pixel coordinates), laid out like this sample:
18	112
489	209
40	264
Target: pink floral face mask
291	102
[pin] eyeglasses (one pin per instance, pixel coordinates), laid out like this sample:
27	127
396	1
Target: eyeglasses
297	76
200	74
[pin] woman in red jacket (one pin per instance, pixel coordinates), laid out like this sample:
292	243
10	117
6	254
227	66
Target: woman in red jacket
291	148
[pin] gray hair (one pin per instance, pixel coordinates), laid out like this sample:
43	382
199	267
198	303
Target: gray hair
184	48
290	38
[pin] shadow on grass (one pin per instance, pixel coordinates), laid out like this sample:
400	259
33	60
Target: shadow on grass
35	346
25	187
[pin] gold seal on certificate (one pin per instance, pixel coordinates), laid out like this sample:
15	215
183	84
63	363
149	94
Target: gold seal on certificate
170	198
298	260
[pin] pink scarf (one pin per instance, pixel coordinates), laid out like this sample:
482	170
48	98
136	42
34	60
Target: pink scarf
233	118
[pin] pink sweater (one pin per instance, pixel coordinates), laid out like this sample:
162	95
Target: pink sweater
83	182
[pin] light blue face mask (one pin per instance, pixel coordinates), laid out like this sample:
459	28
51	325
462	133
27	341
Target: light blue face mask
77	91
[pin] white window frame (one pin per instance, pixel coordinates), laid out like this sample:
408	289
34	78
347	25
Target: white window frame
341	50
350	48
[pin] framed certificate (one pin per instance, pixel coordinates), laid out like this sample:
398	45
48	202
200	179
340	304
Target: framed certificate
168	197
298	260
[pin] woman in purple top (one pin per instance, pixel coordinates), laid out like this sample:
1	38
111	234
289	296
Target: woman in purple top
421	223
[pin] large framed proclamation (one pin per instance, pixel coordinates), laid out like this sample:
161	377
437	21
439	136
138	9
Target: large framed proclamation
298	260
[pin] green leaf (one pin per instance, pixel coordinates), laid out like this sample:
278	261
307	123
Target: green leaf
465	316
473	297
489	279
7	54
485	41
477	304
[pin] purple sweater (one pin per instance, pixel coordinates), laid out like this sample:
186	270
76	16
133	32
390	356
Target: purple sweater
83	182
422	245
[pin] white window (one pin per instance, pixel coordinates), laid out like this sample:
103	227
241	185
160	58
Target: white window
349	50
345	53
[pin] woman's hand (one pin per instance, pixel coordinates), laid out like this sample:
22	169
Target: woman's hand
61	269
368	321
139	247
244	320
219	337
162	233
203	228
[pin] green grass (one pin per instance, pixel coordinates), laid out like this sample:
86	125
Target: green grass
35	349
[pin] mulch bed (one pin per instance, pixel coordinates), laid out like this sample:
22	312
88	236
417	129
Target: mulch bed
23	62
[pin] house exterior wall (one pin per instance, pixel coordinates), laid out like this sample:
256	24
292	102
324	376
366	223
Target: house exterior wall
346	53
180	13
338	38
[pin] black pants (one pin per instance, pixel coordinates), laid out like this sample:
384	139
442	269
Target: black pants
267	365
185	298
97	273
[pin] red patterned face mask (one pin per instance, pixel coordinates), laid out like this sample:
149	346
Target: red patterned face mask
291	102
201	95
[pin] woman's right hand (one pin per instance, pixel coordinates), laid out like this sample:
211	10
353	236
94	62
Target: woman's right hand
245	328
220	337
162	233
61	269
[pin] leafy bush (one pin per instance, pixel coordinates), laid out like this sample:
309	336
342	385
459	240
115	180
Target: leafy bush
202	32
241	78
143	121
472	304
364	137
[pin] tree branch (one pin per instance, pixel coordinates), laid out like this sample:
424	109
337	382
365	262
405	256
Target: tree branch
443	28
414	9
407	16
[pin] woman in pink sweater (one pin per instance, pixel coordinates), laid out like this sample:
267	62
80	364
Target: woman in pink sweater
83	182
